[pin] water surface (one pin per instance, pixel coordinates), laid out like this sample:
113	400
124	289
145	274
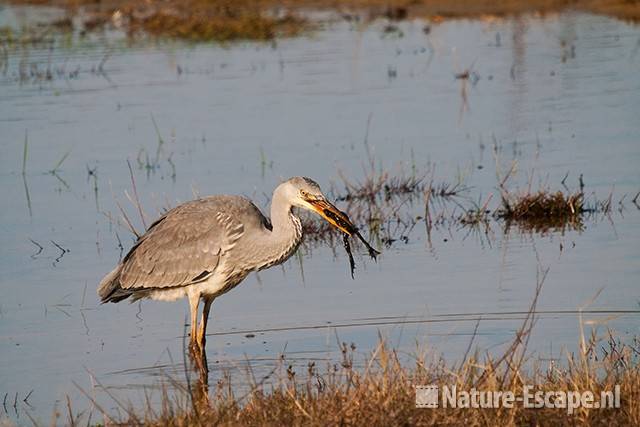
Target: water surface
558	94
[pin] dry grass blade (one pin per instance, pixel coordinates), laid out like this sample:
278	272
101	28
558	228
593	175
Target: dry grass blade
104	413
135	194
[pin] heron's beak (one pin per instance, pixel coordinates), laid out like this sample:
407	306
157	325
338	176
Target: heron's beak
333	215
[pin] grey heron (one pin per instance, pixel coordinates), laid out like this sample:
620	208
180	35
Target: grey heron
204	248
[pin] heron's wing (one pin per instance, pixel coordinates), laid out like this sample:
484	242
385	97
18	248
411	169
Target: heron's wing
182	247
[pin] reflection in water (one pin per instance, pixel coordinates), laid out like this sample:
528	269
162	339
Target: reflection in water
518	97
24	173
26	193
468	75
198	390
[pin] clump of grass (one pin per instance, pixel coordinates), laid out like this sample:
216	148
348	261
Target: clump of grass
542	206
381	200
540	210
376	205
543	210
475	217
379	184
383	185
214	20
195	20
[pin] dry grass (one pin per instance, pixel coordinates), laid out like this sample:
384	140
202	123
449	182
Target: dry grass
212	20
196	20
380	391
384	395
225	20
543	210
542	205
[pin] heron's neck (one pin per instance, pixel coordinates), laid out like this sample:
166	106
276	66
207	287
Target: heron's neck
286	233
287	228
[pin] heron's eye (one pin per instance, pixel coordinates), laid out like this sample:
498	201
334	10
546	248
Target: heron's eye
304	193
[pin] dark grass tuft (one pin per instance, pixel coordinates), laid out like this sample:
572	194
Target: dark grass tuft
543	210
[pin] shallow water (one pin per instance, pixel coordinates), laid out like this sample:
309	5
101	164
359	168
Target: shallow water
558	94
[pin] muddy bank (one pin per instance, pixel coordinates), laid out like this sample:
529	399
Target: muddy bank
224	20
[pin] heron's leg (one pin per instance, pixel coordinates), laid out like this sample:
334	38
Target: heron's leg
194	299
202	330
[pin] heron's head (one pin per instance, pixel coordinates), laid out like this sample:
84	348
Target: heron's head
305	193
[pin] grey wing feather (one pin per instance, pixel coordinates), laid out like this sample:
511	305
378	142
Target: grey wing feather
182	247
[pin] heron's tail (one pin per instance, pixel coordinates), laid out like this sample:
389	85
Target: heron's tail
110	290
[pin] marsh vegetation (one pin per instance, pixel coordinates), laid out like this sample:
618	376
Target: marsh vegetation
468	151
378	388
